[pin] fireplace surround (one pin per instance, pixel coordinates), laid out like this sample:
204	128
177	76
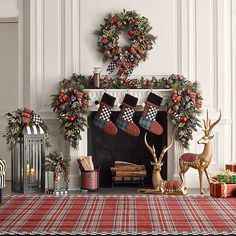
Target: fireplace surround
95	94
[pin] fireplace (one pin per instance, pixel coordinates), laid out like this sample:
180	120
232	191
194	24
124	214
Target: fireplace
107	149
170	171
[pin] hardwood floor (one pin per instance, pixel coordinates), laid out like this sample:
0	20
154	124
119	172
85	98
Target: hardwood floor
114	190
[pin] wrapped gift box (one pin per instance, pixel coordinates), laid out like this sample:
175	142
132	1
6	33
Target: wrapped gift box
231	167
222	189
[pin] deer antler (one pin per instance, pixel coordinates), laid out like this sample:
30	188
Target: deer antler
165	149
152	150
215	123
206	124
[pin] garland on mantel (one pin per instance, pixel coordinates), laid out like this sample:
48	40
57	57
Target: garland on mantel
183	104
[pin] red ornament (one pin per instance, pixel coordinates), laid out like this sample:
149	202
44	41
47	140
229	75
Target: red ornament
113	19
71	118
144	82
119	50
133	50
198	105
193	96
184	119
130	33
142	53
179	98
85	105
188	91
79	95
198	95
104	40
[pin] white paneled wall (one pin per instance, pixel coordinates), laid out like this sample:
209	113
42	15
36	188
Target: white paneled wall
195	38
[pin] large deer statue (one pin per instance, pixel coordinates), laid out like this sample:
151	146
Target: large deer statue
159	185
203	160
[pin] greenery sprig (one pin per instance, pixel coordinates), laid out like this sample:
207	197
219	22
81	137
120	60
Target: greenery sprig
16	122
58	163
71	106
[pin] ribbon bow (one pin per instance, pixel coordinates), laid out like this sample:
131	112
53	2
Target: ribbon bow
29	116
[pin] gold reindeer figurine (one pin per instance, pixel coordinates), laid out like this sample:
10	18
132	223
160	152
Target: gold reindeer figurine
203	160
160	186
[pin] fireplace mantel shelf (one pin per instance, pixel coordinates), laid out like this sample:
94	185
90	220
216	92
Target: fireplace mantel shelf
141	94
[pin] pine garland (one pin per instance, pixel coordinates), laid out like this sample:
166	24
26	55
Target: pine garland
183	105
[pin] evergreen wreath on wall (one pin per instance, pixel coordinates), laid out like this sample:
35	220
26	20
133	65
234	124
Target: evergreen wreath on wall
128	57
183	104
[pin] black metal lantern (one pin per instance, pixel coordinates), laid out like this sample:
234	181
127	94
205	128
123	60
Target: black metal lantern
28	158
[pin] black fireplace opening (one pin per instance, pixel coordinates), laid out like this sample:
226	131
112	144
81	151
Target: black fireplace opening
106	149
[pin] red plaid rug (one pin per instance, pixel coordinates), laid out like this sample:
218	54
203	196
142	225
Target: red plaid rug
117	214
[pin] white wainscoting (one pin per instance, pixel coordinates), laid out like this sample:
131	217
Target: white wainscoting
195	38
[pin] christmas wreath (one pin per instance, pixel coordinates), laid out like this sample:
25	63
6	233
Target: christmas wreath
71	106
127	57
17	120
184	105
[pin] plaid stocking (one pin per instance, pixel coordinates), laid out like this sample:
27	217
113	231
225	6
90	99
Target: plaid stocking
148	118
102	119
125	121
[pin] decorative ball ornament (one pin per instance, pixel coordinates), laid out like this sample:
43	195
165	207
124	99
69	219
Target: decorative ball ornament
125	58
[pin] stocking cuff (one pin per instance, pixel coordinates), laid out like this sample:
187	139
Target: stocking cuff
108	100
130	100
154	99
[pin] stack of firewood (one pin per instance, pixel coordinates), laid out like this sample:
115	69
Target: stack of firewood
128	172
86	163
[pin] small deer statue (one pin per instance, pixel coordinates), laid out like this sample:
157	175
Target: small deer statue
159	185
203	160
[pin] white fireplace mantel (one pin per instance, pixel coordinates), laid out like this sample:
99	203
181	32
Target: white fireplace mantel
96	94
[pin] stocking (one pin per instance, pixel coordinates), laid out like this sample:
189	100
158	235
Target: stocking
102	119
148	118
125	118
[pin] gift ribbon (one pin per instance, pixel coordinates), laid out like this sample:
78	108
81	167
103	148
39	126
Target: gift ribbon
28	116
217	182
226	173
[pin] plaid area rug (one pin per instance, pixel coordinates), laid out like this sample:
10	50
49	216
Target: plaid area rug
117	214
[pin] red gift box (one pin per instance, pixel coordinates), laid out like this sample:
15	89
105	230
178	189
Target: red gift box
231	167
222	190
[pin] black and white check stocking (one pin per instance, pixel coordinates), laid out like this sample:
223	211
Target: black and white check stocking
128	114
105	113
151	114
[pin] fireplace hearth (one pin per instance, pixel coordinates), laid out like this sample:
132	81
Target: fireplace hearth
85	149
107	149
